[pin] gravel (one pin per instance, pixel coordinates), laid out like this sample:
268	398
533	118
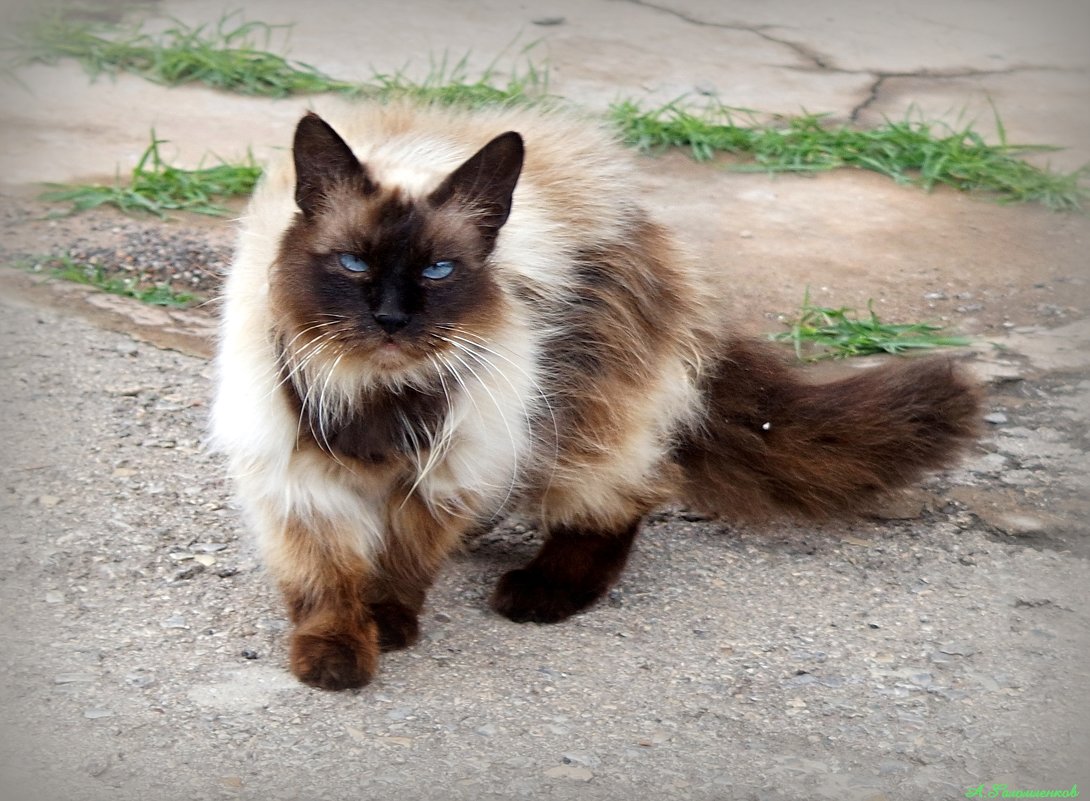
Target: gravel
143	252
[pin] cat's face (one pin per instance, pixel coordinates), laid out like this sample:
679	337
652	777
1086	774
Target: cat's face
385	281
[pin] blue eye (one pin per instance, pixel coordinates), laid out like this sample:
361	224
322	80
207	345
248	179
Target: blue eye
354	264
439	270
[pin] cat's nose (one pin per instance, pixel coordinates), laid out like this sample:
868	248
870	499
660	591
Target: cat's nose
391	321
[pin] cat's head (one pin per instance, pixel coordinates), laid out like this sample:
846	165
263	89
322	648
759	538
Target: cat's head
381	278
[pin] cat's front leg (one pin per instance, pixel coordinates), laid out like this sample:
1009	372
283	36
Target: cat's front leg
338	634
334	645
420	536
574	568
335	642
325	580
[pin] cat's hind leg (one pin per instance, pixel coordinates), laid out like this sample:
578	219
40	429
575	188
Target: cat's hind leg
574	568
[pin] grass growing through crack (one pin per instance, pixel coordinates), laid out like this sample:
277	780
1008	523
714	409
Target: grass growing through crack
452	84
67	269
821	332
228	56
914	152
225	56
156	187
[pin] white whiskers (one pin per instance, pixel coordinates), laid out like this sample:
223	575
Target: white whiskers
463	372
473	345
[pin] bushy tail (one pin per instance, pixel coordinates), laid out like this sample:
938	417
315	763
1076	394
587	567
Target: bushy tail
772	443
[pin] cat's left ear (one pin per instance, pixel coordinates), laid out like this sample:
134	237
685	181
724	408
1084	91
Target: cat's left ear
485	183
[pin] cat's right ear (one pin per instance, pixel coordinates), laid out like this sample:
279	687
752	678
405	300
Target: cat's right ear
486	183
323	161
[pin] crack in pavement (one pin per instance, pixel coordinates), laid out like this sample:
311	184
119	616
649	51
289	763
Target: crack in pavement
816	59
881	76
872	97
825	63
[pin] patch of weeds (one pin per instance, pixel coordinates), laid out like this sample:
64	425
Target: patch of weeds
821	332
156	187
453	85
224	56
67	269
228	56
912	151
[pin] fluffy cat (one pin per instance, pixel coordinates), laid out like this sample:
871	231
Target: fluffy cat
435	317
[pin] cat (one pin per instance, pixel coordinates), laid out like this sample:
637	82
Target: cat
436	317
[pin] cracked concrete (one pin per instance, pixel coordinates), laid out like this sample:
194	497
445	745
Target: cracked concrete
947	61
973	48
816	60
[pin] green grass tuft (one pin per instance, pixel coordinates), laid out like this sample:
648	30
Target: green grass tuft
66	269
453	85
826	333
913	152
156	187
225	56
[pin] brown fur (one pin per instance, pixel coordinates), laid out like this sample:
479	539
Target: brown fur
572	570
308	286
335	642
624	315
350	610
572	366
772	443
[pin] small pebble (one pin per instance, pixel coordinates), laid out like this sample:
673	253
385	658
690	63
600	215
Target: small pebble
569	772
96	714
1018	525
921	679
957	649
137	679
584	758
185	574
996	418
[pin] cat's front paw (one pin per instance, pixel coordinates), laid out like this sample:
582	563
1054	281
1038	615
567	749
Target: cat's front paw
527	595
335	659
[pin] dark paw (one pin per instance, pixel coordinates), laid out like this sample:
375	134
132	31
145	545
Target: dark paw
397	625
334	660
527	596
